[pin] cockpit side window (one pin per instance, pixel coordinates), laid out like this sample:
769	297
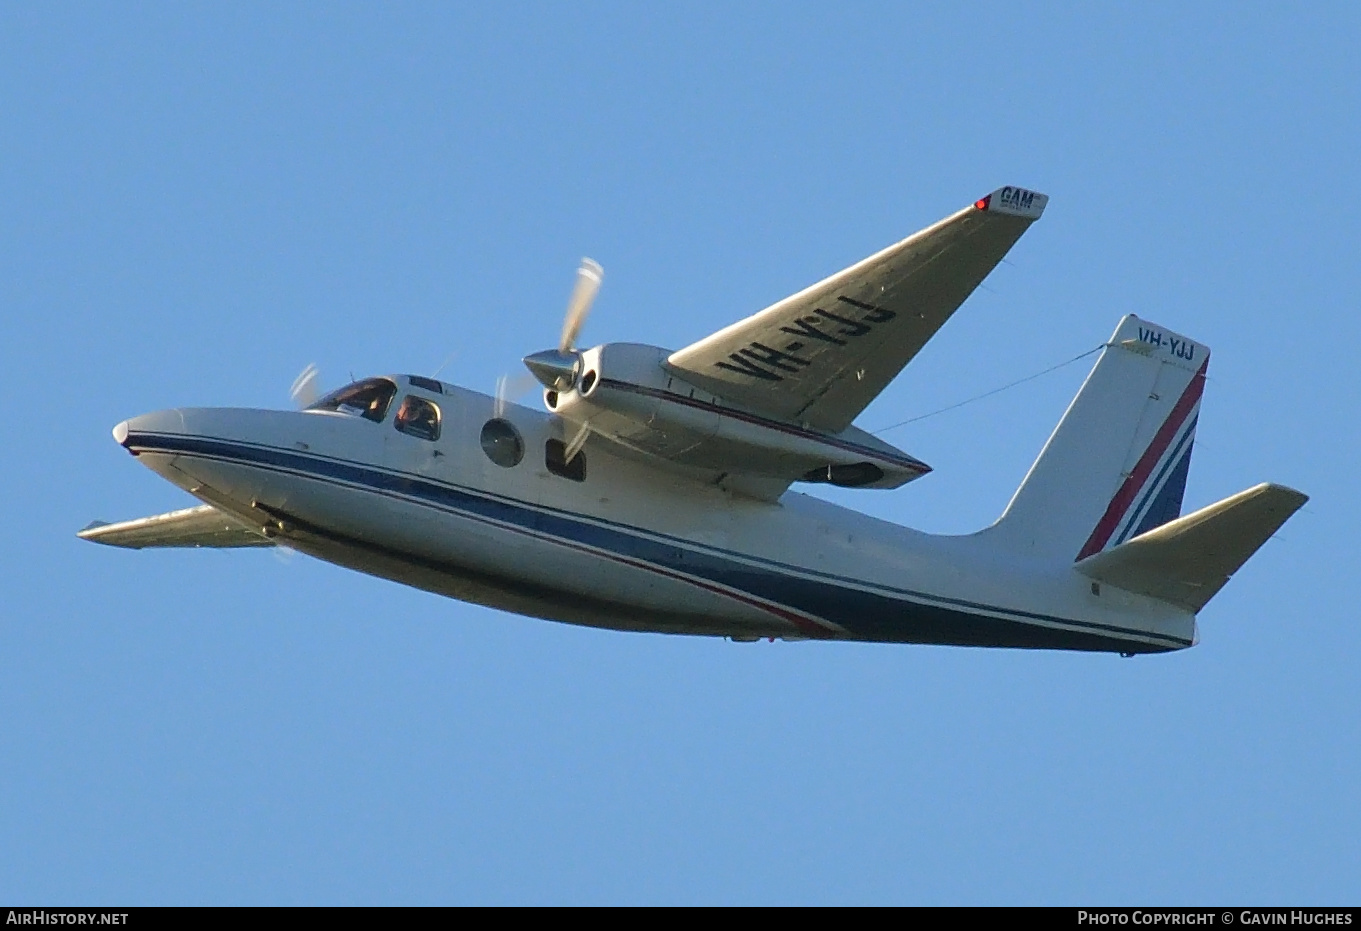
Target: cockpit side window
369	399
418	417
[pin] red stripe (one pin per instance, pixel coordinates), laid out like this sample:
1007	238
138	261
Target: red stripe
809	626
813	627
1123	498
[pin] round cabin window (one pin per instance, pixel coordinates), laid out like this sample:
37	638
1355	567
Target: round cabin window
502	444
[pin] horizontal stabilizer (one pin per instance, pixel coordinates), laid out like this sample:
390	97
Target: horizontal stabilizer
203	526
1186	561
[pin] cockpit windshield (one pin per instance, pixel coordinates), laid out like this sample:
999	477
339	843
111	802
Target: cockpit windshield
369	399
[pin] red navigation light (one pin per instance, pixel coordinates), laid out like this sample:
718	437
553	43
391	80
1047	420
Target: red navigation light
982	203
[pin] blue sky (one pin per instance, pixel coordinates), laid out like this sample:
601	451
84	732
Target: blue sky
197	201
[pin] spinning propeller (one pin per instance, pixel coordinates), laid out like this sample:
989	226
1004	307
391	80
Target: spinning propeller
306	389
558	369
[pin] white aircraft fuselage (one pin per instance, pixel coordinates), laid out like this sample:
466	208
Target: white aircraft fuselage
628	547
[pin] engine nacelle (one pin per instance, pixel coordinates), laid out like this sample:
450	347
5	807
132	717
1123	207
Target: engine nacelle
625	393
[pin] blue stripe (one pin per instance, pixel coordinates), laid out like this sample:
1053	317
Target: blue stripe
867	615
1167	506
1163	495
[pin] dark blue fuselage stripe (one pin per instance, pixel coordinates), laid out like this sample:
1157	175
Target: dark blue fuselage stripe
865	613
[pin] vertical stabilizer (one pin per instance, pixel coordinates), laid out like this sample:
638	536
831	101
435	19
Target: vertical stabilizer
1116	464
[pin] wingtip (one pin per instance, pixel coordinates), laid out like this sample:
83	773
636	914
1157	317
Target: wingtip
1295	498
1014	202
94	533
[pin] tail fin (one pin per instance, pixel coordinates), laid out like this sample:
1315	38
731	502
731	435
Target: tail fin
1116	464
1185	562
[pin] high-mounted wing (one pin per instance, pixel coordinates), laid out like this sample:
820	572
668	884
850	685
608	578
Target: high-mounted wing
203	526
820	356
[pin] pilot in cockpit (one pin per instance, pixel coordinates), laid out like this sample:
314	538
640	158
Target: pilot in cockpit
377	406
368	399
418	417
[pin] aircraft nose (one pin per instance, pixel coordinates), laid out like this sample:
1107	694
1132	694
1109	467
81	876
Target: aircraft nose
126	434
